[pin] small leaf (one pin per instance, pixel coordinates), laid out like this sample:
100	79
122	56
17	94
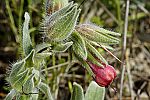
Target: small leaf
27	44
77	92
61	47
41	47
11	95
18	81
30	59
37	76
95	52
95	92
78	46
16	68
29	84
46	90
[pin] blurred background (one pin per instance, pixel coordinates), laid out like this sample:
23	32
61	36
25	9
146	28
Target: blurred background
109	14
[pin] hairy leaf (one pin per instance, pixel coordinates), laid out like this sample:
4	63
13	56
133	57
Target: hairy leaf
95	92
61	47
46	90
77	92
27	44
11	95
41	47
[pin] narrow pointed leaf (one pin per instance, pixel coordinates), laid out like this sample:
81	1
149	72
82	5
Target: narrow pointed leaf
18	81
77	93
29	84
30	59
61	47
95	92
41	47
16	68
27	44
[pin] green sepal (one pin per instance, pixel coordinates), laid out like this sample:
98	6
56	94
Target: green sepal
91	32
95	52
53	5
94	60
78	46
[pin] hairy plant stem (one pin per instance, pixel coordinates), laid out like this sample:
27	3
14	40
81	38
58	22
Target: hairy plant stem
124	48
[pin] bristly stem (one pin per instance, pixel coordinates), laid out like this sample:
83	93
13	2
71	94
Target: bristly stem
124	47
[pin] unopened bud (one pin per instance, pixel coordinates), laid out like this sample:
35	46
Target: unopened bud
103	76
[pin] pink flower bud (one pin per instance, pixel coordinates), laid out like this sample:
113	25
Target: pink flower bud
103	76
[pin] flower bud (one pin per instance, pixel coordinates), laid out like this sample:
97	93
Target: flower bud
59	26
97	34
103	76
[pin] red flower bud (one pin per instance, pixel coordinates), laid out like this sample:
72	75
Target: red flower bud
103	76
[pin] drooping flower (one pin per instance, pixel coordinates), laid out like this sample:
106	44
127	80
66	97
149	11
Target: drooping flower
105	75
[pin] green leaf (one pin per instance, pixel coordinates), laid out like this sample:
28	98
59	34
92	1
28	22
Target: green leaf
30	59
34	96
46	90
78	46
95	52
27	44
28	86
16	68
95	92
41	47
77	92
18	81
11	95
37	76
61	47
